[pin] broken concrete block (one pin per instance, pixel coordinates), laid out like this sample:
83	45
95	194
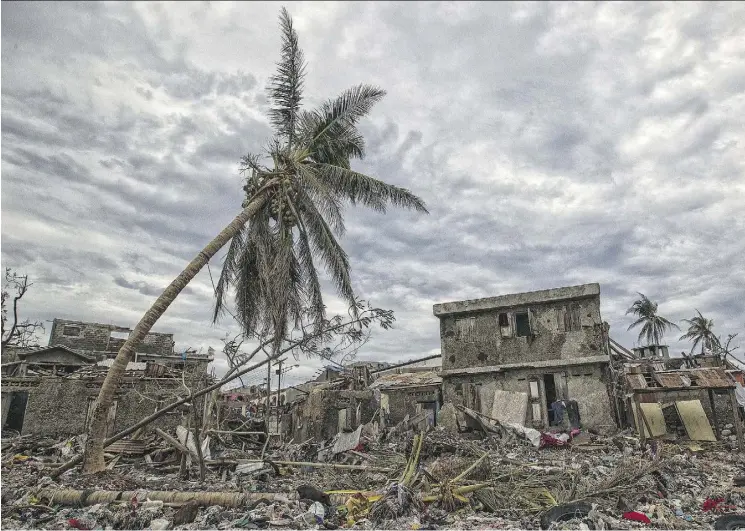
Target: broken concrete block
159	524
448	418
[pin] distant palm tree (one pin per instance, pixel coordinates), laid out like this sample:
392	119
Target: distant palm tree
655	325
700	330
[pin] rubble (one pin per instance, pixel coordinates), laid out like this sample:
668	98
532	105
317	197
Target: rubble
490	477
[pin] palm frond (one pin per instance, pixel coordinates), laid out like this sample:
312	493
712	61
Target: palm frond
323	197
324	244
330	131
636	323
286	86
316	307
367	191
227	273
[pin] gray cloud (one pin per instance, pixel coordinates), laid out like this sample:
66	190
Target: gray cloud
555	143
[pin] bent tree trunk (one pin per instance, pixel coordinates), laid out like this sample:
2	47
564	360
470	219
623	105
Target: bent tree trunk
93	457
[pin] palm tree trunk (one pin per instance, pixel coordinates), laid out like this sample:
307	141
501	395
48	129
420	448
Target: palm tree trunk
93	459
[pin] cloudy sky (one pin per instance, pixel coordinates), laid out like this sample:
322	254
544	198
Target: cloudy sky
555	144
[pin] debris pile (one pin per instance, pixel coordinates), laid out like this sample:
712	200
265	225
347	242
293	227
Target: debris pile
493	476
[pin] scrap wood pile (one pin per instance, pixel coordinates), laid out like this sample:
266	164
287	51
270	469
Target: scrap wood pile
435	478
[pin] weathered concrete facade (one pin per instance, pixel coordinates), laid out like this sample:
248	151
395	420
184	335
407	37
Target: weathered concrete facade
102	339
50	391
326	412
411	394
550	344
60	406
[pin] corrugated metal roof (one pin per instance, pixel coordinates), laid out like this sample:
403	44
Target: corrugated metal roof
406	379
703	378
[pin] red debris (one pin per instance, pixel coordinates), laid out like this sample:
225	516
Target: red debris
77	524
637	517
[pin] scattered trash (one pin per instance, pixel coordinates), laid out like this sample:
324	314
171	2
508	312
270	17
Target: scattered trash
489	475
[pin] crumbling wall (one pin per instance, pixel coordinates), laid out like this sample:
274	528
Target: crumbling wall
586	384
5	400
560	330
402	402
96	337
318	416
725	417
59	406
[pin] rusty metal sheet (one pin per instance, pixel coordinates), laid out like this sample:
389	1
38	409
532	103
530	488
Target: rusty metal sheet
713	378
672	379
126	447
636	381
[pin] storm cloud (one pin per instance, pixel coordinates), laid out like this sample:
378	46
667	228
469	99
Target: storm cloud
554	143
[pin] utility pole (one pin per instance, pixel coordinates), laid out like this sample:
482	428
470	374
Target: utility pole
268	393
279	388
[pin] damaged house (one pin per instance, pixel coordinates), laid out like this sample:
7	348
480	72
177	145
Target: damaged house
409	395
524	357
51	391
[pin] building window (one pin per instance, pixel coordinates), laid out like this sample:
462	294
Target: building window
522	324
503	321
466	329
71	331
572	321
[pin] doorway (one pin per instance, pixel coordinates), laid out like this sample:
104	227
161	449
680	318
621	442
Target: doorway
16	411
549	386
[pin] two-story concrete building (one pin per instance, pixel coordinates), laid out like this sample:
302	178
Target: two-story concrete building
513	356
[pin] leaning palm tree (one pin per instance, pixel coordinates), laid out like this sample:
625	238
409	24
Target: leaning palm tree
291	214
654	325
700	330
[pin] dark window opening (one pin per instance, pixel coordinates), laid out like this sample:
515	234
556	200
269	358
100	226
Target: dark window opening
16	411
522	324
549	384
504	320
73	331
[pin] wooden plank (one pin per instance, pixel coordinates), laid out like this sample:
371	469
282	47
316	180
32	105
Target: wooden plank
695	421
651	418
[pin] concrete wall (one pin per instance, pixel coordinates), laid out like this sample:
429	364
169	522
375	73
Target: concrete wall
95	337
402	402
560	330
58	407
317	416
585	384
5	400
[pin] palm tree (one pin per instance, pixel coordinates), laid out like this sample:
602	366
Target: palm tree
700	331
291	213
655	325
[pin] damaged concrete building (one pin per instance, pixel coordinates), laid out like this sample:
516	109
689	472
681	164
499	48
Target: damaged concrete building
408	395
50	391
513	357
